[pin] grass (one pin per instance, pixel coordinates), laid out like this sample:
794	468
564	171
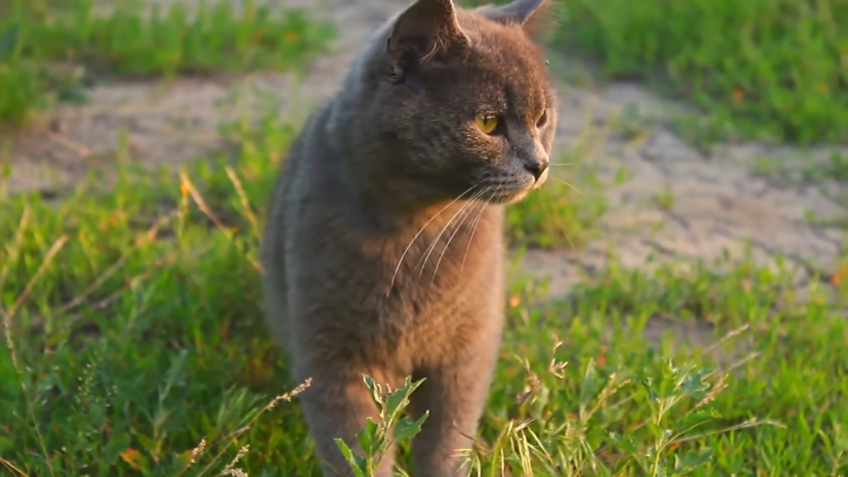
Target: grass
764	68
772	70
564	212
134	345
50	50
133	335
560	215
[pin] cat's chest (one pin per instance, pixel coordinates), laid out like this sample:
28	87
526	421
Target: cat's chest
416	270
445	255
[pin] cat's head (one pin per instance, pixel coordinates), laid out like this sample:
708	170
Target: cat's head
464	98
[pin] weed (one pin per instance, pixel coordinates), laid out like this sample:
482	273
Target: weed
835	169
559	213
378	438
665	199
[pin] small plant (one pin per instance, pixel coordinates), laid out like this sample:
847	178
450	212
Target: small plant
547	440
632	124
392	427
665	199
836	169
557	214
674	387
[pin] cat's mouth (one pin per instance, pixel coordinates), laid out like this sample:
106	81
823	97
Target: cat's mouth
508	197
513	191
505	196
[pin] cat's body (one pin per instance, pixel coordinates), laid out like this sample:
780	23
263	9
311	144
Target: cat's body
383	253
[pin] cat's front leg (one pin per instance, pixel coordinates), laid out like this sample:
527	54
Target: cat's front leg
455	394
338	404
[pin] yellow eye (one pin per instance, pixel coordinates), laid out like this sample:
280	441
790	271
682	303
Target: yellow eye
486	122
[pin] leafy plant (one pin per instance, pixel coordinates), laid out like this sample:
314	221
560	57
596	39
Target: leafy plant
377	438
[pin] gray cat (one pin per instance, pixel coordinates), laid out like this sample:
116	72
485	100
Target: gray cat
384	250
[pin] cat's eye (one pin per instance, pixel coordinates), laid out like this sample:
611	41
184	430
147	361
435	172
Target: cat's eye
486	122
543	119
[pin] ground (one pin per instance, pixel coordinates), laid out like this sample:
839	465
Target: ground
704	202
663	198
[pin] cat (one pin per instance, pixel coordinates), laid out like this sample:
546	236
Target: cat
384	253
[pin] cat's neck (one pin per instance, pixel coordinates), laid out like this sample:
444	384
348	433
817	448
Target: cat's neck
357	162
395	206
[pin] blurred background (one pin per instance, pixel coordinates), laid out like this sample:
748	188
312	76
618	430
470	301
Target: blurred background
677	298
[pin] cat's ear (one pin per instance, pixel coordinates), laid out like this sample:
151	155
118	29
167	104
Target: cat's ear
424	30
538	18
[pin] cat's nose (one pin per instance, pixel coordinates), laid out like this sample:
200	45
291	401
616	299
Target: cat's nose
537	167
533	156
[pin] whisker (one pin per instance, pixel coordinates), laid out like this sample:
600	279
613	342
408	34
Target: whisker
575	189
474	228
564	164
423	262
468	213
400	261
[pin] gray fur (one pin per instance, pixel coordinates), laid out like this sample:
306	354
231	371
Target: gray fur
383	253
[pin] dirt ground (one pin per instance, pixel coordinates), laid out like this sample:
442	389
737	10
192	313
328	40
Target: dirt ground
721	200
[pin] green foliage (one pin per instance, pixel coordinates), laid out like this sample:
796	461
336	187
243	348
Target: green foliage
559	214
134	344
377	438
562	214
766	67
600	397
36	37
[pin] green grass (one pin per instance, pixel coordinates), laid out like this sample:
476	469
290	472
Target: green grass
133	339
133	334
559	215
763	68
50	50
563	213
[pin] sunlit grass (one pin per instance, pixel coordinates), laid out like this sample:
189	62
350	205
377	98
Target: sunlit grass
134	333
51	51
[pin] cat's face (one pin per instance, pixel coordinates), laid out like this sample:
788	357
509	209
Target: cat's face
469	101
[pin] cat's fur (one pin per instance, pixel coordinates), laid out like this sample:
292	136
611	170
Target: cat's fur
352	287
